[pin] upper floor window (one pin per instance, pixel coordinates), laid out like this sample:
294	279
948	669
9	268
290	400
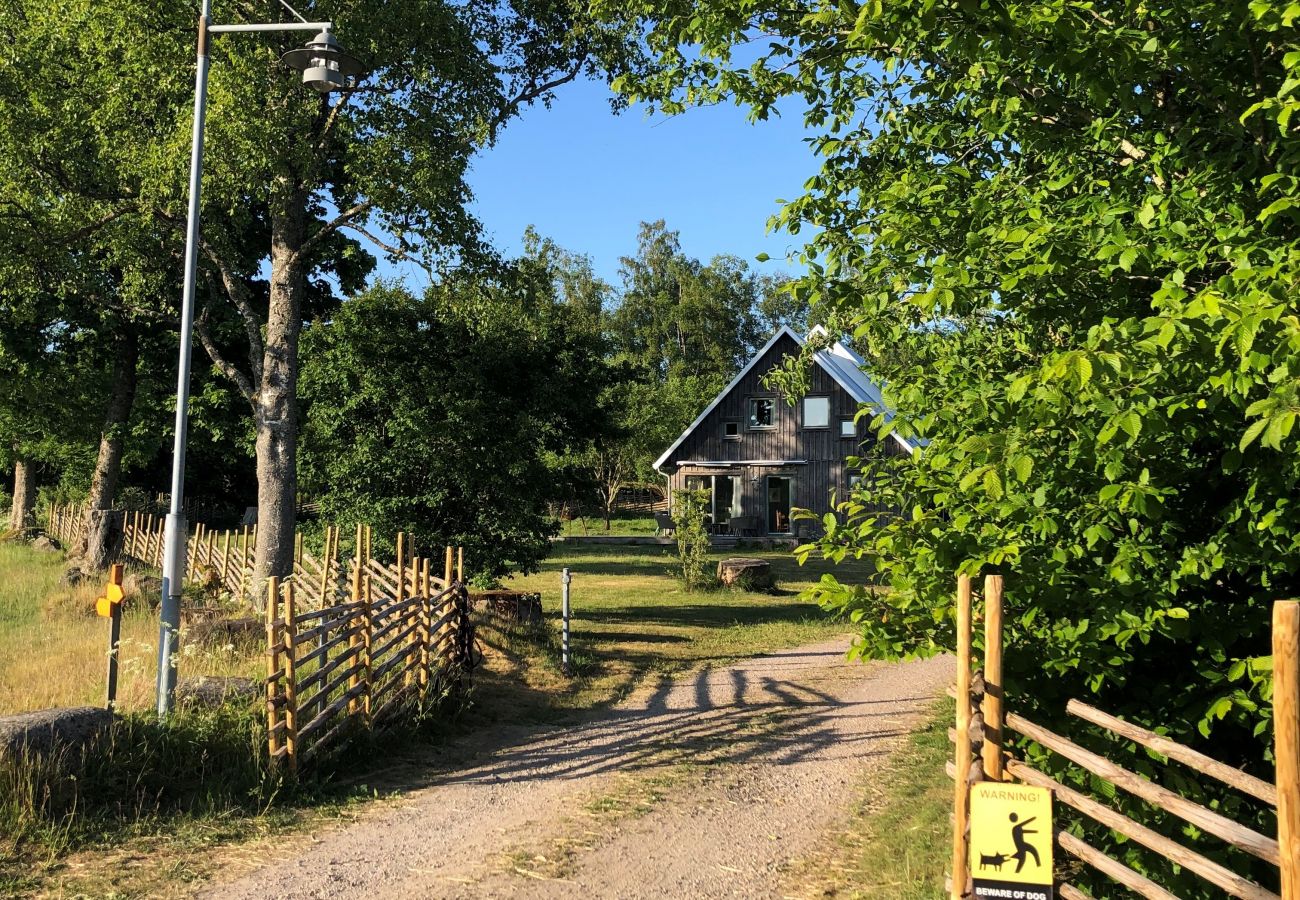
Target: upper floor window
816	412
731	431
762	412
848	428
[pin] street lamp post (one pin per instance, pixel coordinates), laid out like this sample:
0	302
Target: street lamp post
324	67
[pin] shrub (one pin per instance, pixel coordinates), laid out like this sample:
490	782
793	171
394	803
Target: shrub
690	508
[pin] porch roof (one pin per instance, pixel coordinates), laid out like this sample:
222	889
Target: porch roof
728	463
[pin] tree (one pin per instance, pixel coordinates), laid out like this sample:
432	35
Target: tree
287	171
1066	232
449	438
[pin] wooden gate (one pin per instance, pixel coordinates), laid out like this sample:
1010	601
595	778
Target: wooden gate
982	723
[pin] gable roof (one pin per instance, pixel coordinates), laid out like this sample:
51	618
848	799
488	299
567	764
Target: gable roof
838	360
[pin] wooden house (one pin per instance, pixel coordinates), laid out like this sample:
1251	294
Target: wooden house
760	457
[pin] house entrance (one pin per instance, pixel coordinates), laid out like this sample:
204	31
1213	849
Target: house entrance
778	504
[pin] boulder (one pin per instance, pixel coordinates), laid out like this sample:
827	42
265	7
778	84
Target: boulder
747	574
513	606
75	575
48	729
45	544
214	690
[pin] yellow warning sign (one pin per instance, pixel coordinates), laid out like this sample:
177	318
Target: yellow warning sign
112	596
1011	841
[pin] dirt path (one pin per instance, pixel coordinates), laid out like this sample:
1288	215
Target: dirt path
705	787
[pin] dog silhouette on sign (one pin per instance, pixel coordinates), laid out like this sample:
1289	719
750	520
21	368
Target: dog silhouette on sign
993	861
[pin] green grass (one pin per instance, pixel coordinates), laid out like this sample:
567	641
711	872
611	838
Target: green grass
620	525
633	627
898	843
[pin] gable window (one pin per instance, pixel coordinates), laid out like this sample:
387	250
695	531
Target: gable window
816	412
762	413
731	430
848	428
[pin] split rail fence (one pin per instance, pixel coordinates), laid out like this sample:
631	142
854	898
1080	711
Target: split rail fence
217	559
401	636
982	723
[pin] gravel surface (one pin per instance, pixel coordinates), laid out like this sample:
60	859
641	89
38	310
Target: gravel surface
736	773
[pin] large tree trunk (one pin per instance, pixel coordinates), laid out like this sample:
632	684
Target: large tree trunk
103	530
21	515
276	402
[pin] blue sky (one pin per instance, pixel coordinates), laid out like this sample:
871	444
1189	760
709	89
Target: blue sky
586	178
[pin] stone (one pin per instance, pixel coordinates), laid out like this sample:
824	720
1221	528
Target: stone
49	729
45	544
214	690
142	587
75	575
514	606
747	574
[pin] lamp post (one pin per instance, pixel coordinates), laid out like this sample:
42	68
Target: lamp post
324	67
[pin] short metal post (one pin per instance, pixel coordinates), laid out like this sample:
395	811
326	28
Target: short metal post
565	664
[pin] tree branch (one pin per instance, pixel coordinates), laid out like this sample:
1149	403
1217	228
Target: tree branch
530	93
343	218
398	252
240	380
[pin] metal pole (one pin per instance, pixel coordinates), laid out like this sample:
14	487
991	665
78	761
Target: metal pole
565	665
174	549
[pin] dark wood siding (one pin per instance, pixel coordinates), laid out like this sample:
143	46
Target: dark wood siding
821	451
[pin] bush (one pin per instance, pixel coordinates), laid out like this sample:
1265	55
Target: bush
690	508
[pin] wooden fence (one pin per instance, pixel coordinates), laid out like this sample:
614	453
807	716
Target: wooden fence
402	635
979	737
222	560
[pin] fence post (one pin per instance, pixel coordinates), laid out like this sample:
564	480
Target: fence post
426	627
962	754
290	680
460	564
1286	725
114	635
272	667
367	642
993	698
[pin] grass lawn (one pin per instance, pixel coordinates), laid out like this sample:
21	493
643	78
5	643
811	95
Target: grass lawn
633	624
620	525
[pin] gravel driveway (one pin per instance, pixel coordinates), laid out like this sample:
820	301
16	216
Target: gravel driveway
716	783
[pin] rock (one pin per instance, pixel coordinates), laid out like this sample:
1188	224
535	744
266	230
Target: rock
140	587
514	606
48	729
214	690
225	631
45	544
75	575
747	574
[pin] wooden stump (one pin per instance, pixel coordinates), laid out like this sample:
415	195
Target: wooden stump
747	574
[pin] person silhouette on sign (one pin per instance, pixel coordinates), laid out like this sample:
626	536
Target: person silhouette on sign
1023	847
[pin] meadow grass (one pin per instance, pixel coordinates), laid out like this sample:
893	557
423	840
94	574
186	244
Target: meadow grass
54	649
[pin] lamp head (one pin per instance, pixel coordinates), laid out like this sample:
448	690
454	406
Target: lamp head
324	65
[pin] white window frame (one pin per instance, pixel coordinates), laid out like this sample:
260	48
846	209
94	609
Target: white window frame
827	418
739	428
848	428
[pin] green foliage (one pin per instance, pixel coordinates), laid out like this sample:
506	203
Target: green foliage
436	415
690	509
1065	233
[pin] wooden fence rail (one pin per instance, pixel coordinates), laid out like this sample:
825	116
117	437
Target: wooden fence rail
982	721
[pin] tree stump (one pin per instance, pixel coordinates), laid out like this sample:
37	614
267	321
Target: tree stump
47	730
747	574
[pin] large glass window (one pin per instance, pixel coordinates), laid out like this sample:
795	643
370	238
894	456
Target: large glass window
816	412
762	412
726	498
